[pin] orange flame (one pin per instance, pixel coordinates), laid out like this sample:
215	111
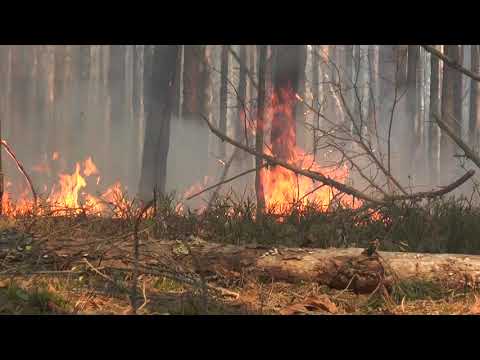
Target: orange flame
67	195
283	188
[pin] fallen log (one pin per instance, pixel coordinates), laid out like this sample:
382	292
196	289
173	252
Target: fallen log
337	268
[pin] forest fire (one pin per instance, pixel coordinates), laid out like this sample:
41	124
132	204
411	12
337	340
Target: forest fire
283	188
67	196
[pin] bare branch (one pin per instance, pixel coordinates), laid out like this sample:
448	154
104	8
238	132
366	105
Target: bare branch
335	184
20	167
451	63
469	153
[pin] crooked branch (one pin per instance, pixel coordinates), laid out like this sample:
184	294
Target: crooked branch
335	184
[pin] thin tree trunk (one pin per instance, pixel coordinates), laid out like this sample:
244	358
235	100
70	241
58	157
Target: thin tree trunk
315	94
241	126
262	51
474	120
410	135
433	133
373	104
224	95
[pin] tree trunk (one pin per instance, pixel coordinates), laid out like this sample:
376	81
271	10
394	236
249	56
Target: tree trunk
433	133
116	84
387	85
373	104
474	120
240	125
451	108
409	133
224	95
315	94
289	66
262	51
157	132
192	155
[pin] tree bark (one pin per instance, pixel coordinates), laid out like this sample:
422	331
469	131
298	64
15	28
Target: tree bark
336	268
157	132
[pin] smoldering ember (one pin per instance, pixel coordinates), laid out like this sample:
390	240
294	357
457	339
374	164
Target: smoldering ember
240	179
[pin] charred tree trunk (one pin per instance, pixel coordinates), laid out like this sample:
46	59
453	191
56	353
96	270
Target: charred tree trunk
157	131
474	120
289	65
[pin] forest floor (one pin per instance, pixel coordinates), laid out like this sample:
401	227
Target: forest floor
94	296
83	265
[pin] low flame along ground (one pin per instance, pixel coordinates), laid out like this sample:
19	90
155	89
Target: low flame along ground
282	188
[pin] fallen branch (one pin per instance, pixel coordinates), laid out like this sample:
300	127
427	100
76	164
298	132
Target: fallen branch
436	193
20	167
